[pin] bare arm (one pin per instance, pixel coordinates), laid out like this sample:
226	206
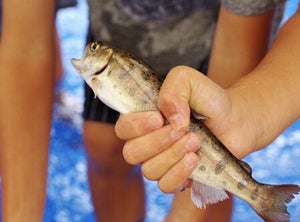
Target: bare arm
271	94
239	45
254	110
26	76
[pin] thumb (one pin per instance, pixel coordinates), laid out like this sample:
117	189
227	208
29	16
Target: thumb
186	88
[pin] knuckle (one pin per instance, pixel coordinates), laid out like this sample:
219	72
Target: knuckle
179	149
165	187
180	73
177	153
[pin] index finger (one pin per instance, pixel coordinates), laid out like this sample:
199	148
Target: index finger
185	87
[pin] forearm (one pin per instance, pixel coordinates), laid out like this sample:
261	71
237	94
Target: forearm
271	93
240	43
26	76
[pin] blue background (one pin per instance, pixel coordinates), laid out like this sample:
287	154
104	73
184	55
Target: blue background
68	197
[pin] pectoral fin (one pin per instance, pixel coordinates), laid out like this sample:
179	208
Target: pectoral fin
94	84
202	194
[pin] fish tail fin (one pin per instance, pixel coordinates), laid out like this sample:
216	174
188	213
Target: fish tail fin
277	210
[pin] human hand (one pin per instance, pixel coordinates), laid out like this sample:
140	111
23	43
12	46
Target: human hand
159	148
167	151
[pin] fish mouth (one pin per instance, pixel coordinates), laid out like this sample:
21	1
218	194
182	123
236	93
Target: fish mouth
78	65
100	71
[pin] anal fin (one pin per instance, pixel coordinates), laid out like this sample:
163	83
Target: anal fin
203	195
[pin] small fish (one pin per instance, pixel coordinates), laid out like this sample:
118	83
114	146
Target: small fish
127	84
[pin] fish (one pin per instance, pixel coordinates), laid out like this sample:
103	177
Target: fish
127	84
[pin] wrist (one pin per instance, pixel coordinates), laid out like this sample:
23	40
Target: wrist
255	117
246	128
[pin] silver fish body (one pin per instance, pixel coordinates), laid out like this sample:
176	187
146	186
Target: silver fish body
129	85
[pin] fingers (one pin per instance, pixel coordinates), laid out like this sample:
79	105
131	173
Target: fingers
167	151
142	148
137	124
155	167
167	154
185	87
176	179
170	162
173	103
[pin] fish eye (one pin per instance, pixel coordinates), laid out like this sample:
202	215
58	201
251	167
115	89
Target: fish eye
94	46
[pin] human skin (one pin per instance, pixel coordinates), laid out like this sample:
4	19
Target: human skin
246	116
26	94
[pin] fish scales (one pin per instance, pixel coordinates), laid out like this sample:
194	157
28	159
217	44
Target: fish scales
127	84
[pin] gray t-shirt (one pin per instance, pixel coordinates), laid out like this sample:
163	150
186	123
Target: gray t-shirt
251	7
165	33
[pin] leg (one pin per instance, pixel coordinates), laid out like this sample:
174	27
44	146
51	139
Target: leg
183	209
117	188
58	60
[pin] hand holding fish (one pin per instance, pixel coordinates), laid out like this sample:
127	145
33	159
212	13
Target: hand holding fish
128	85
175	155
183	87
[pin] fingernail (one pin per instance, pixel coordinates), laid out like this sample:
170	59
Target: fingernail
189	160
193	142
177	121
155	121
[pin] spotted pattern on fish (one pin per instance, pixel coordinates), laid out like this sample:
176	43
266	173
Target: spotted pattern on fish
254	194
242	184
221	166
202	168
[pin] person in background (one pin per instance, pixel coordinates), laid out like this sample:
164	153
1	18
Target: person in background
30	65
246	116
180	32
27	67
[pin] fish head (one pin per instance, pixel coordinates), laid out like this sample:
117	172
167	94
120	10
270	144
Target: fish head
94	61
122	82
